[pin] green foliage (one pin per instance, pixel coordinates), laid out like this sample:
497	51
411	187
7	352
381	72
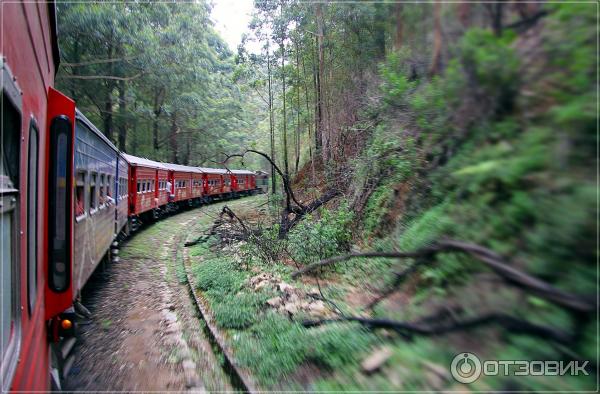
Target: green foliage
494	63
339	345
236	311
430	226
273	348
311	240
218	275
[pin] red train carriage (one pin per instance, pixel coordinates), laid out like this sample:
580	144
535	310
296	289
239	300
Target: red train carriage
146	179
245	181
214	182
164	187
36	200
182	179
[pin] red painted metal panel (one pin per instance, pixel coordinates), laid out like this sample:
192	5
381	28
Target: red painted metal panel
162	195
182	193
197	181
60	105
143	200
213	184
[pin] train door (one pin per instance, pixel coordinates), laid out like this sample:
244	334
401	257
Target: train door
59	223
234	182
9	227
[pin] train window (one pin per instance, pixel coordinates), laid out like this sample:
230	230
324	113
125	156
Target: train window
9	252
108	189
59	198
93	193
143	187
101	189
32	210
152	186
139	186
80	196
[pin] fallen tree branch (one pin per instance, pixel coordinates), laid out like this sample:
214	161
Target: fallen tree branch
226	210
389	255
490	258
406	329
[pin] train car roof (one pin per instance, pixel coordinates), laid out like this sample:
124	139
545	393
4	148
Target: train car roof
141	161
182	168
81	117
243	172
209	170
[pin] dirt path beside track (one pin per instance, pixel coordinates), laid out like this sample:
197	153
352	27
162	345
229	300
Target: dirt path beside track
145	334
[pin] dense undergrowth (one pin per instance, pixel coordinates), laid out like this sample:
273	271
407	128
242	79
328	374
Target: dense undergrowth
498	150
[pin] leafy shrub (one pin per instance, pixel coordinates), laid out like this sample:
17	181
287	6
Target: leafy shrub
426	228
339	344
218	274
311	241
272	348
237	310
493	63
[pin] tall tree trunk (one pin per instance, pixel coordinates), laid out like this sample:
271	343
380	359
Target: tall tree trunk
285	147
297	107
322	148
271	121
308	123
498	11
107	116
108	104
123	115
173	138
285	144
464	14
159	97
316	88
398	34
437	39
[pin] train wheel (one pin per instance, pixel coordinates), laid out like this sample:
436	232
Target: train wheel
62	358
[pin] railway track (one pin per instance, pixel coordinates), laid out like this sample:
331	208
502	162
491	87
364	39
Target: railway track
154	316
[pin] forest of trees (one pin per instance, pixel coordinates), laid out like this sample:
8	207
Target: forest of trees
155	78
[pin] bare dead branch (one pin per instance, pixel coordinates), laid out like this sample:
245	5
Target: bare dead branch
407	329
286	183
491	259
389	255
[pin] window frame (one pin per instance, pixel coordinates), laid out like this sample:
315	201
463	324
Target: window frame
79	218
93	197
108	190
32	209
102	192
10	91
